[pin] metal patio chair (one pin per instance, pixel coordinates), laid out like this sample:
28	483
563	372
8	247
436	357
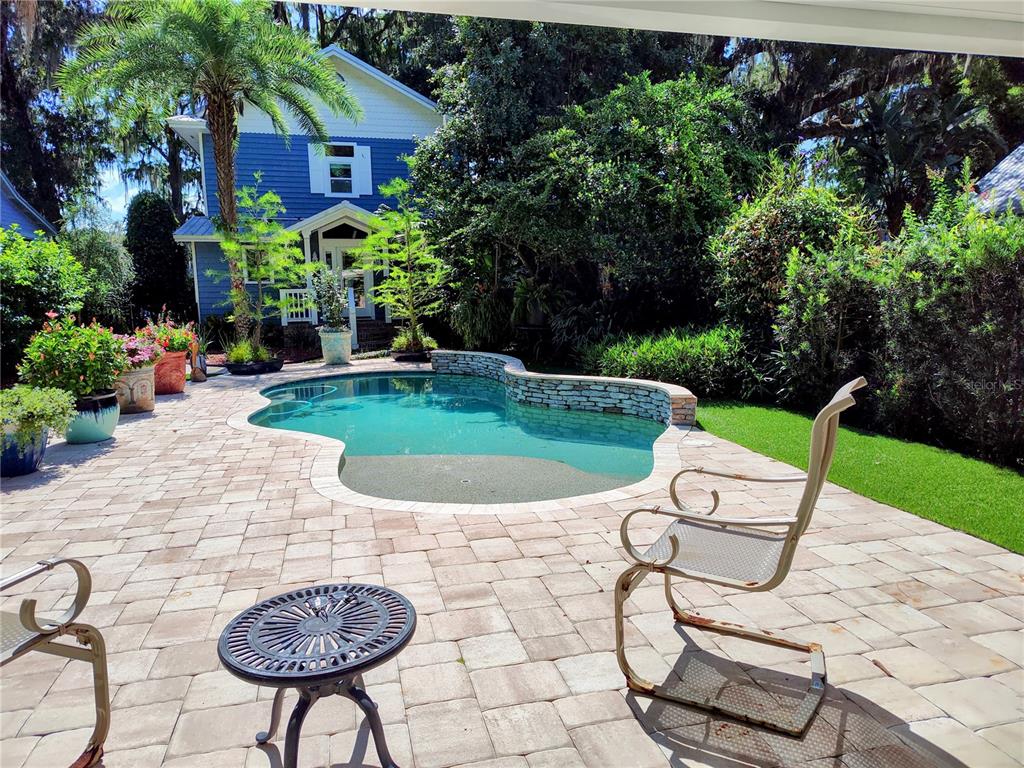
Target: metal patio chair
749	554
22	632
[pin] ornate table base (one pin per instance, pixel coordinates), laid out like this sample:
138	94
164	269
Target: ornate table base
307	698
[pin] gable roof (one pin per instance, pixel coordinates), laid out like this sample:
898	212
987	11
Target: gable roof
201	229
15	209
1002	188
192	128
339	53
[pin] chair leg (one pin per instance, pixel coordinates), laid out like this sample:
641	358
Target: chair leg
91	637
794	722
627	582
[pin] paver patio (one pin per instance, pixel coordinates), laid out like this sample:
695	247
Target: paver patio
185	520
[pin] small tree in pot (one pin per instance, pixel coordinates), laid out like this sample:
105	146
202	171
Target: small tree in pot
411	289
335	334
271	259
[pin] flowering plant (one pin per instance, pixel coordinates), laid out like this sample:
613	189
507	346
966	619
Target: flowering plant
141	352
80	359
169	336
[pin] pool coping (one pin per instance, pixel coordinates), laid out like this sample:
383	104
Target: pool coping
325	471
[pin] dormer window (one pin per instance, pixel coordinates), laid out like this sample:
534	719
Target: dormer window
340	169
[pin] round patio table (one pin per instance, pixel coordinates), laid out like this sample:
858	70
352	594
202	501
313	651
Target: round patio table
318	640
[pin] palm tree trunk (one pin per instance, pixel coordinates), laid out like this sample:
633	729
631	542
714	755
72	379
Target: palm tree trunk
222	123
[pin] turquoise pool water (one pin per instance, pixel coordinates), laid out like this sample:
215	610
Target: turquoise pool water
458	438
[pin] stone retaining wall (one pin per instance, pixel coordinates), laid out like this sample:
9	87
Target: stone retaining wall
666	403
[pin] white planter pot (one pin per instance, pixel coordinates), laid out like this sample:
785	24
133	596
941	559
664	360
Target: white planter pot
336	346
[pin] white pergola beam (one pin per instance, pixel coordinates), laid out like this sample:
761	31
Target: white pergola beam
988	27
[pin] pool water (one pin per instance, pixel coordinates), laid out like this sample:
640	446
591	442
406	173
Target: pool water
423	437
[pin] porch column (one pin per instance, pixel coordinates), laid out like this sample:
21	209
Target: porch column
308	257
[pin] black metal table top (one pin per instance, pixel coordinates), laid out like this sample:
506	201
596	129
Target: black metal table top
317	634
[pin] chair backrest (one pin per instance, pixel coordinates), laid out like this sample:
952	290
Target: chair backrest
823	444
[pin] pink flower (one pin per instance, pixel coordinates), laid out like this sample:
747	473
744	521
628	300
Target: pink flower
51	314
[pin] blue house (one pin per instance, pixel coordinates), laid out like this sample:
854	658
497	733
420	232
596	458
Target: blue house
14	209
329	191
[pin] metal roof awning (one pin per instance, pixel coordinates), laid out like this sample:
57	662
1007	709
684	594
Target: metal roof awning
988	27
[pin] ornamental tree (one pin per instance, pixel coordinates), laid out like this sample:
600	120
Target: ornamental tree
267	253
398	246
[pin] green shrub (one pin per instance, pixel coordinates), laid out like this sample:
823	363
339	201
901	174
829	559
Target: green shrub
709	363
80	359
952	308
404	342
36	277
111	275
247	352
26	411
827	329
752	253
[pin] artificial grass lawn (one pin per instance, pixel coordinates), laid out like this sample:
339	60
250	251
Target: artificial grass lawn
963	493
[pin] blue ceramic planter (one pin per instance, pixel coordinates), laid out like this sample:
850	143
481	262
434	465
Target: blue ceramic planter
22	459
96	419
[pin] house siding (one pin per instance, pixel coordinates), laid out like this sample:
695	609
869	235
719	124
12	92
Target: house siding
285	168
211	291
11	213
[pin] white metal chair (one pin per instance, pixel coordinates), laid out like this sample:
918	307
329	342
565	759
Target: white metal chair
23	632
750	554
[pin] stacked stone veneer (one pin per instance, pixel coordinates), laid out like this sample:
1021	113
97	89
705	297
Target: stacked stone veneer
666	403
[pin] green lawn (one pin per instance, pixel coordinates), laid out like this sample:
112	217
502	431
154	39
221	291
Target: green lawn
963	493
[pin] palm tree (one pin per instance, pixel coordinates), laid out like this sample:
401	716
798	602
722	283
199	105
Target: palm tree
219	54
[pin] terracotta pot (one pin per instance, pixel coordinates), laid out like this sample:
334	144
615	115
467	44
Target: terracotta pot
96	419
169	373
136	390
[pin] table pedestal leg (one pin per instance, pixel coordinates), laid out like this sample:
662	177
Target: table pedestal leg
369	707
275	719
306	700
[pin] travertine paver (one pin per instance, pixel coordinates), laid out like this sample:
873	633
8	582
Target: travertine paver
184	520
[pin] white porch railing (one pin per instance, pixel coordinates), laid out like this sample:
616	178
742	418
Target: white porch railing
297	306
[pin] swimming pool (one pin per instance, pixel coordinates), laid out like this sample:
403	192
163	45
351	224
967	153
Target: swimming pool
454	438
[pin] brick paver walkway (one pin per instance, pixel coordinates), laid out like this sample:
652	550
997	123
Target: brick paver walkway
185	520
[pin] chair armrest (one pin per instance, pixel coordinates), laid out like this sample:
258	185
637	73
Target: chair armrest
732	475
27	612
631	550
726	521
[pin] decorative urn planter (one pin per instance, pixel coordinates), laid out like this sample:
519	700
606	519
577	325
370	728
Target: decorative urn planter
22	459
336	346
169	373
96	419
136	390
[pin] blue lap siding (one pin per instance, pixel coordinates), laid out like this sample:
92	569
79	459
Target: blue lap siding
285	168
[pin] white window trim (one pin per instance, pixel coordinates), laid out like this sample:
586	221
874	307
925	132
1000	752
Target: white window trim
351	161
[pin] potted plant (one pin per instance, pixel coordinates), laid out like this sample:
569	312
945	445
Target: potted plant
245	358
335	335
176	341
28	414
84	360
136	386
405	349
411	288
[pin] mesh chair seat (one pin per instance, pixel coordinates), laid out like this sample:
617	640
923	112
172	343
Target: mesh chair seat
732	553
